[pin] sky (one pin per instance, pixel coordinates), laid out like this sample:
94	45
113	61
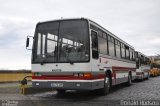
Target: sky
135	21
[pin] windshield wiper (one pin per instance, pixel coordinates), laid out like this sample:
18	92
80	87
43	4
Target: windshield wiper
43	59
68	60
42	62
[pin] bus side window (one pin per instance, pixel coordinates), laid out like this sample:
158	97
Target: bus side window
94	45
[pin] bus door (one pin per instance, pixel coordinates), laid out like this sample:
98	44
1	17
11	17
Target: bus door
95	54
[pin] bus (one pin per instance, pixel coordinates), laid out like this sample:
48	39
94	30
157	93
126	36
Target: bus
79	54
142	66
155	66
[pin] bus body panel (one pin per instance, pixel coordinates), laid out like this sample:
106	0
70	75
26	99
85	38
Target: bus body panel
62	67
142	70
143	66
51	75
63	75
119	68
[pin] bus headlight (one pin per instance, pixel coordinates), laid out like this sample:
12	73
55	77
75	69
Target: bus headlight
84	75
87	75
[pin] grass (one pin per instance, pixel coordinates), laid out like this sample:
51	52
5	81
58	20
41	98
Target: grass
16	86
13	77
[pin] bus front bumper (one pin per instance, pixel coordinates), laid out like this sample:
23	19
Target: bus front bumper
70	85
138	77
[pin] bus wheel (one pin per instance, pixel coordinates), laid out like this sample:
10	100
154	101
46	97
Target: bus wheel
61	91
148	76
129	82
107	86
142	78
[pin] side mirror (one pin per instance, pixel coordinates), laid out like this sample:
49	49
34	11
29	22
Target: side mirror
27	42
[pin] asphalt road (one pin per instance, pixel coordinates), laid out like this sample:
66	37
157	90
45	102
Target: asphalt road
138	94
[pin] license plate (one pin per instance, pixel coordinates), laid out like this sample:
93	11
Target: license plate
56	84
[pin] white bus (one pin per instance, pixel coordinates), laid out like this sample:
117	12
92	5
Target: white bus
79	54
142	66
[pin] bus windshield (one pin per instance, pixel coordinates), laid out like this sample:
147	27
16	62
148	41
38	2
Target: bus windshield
61	41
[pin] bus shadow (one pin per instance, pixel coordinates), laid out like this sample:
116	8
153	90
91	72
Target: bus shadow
139	80
118	87
87	95
78	95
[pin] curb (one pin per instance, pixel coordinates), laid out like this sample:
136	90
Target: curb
29	90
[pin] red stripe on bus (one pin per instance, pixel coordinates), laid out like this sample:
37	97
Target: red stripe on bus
67	77
125	69
115	68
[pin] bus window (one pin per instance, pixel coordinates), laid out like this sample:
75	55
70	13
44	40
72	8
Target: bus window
123	51
111	46
104	35
137	60
94	45
118	54
102	45
131	56
142	59
43	45
39	44
99	32
127	52
93	27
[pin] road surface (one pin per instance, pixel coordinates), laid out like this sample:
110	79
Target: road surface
146	90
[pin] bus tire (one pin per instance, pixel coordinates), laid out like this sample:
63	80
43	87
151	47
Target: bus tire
107	86
61	91
142	78
148	76
129	82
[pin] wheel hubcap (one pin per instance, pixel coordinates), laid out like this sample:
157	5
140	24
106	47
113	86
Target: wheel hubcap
107	82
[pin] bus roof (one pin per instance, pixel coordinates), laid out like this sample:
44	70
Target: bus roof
63	19
141	54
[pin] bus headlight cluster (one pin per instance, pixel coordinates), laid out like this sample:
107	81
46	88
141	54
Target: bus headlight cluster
85	75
